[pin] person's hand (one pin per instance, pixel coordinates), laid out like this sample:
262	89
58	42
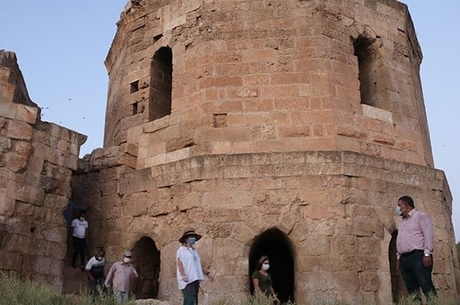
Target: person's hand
185	278
427	261
398	265
210	276
277	301
107	286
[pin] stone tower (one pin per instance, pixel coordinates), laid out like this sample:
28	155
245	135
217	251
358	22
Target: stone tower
279	127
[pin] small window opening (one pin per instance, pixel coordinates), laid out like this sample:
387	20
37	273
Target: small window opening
135	107
157	37
220	120
134	87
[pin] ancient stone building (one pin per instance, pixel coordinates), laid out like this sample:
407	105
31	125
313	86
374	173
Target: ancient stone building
281	127
36	164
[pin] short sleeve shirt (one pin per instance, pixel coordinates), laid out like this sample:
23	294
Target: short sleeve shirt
79	228
191	262
265	282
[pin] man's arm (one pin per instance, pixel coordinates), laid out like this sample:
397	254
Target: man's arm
428	237
108	279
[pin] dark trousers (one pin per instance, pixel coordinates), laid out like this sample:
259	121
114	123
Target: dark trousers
416	276
79	249
95	285
190	293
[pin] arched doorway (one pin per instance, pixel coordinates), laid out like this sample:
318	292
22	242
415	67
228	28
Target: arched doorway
398	289
146	260
278	247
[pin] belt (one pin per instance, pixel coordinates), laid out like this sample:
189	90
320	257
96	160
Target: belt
411	253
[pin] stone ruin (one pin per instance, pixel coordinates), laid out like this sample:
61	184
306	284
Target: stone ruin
279	127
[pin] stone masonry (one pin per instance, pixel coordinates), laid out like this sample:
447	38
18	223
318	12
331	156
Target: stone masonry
36	163
281	127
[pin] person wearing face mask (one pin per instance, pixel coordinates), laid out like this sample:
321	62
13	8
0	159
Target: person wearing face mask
189	270
414	246
95	271
79	234
262	281
120	276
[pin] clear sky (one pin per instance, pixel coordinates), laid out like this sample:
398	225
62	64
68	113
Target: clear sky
61	47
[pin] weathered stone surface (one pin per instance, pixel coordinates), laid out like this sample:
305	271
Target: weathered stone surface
36	168
252	122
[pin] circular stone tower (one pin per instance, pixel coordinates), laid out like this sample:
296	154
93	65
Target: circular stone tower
279	127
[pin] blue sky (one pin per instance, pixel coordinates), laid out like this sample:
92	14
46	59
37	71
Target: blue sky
61	48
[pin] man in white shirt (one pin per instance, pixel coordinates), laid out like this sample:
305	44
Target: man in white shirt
79	234
95	271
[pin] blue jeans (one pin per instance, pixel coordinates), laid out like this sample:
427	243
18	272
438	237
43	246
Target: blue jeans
416	276
121	296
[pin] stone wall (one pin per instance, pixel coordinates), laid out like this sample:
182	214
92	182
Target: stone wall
335	208
36	163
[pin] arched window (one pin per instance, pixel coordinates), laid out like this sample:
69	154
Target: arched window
160	84
373	82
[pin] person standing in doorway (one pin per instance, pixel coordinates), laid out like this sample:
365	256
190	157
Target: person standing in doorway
189	269
262	281
95	271
79	228
120	276
414	246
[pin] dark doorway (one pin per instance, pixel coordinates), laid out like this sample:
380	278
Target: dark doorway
278	247
146	260
398	289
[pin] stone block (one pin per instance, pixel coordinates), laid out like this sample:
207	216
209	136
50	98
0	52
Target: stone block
27	114
8	110
19	130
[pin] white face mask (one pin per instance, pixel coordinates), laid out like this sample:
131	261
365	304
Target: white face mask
398	210
265	266
127	260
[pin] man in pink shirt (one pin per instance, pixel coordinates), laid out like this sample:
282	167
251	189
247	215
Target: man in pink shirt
120	275
414	246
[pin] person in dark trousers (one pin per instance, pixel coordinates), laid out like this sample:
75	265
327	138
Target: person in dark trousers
189	269
414	246
95	270
79	228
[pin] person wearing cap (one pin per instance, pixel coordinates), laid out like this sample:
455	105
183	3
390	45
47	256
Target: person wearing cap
120	275
189	270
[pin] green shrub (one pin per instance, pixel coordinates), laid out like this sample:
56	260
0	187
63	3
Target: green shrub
14	291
